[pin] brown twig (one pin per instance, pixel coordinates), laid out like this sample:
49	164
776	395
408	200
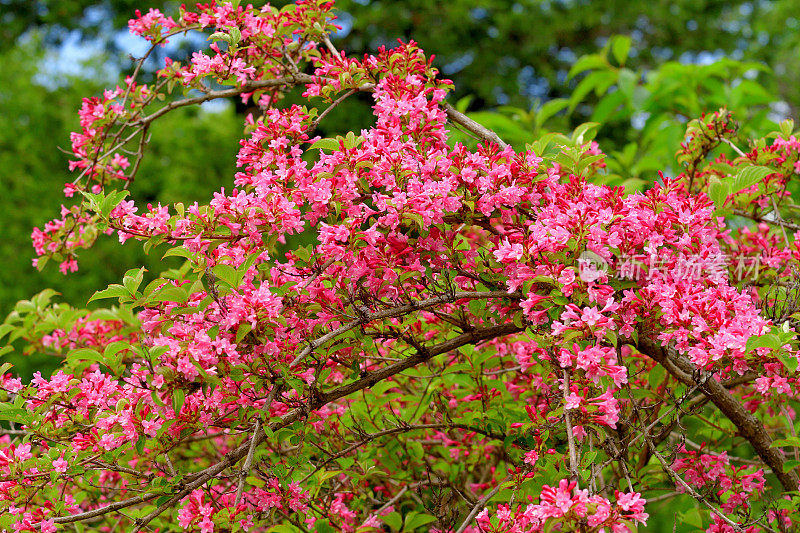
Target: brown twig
398	311
480	504
749	426
198	479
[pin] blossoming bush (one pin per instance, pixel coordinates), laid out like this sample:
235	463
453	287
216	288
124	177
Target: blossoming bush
474	341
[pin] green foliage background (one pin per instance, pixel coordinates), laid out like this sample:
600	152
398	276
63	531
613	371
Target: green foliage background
191	155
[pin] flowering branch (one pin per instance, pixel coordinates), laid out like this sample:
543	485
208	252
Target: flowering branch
749	427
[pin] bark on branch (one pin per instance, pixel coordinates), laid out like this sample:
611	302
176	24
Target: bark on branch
299	78
198	479
749	426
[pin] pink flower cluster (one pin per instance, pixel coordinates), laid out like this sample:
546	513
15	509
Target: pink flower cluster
565	507
733	485
151	25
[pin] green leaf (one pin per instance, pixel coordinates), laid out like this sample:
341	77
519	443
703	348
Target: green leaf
620	46
303	253
416	520
585	63
607	106
113	291
220	36
463	103
236	35
15	414
656	376
5	329
178	251
114	348
328	474
86	354
718	192
351	141
598	81
770	340
749	176
94	200
111	201
692	517
157	401
243	330
788	466
178	397
42	299
585	132
549	109
140	444
133	278
394	520
788	360
418	220
169	293
227	274
794	442
324	526
415	449
326	144
787	127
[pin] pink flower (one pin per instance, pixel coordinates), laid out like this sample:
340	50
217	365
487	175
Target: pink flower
508	253
60	465
573	401
531	457
23	452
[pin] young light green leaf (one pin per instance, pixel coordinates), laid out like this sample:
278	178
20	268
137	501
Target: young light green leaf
620	46
749	176
585	132
113	291
787	128
585	63
325	144
719	191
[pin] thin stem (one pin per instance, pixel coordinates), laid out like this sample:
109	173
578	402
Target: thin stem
398	311
330	108
573	456
480	505
248	463
198	479
748	426
689	489
735	148
478	129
